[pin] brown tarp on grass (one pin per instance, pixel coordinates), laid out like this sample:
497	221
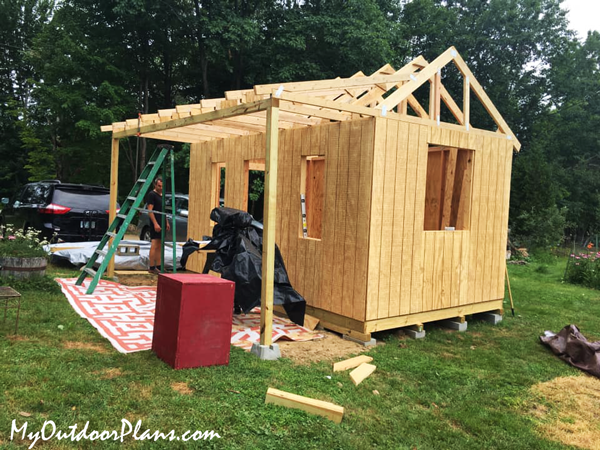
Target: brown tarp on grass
572	347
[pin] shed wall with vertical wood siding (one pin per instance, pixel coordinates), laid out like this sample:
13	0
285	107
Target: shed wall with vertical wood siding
374	261
411	270
331	272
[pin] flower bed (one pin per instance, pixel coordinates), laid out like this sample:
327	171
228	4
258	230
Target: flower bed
584	269
15	242
22	254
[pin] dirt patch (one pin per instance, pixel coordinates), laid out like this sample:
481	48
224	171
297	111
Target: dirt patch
570	410
138	280
332	346
109	374
74	345
141	391
17	338
182	388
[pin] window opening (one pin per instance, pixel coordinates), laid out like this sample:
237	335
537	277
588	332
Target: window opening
313	189
218	185
448	189
255	187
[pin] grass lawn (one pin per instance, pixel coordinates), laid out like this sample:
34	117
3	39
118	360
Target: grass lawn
448	391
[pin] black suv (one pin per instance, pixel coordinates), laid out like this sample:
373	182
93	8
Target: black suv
75	212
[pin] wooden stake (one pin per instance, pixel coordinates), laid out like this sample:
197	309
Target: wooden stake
114	190
512	306
268	252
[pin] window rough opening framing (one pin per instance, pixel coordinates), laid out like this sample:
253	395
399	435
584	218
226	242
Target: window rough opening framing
254	179
217	195
448	189
313	188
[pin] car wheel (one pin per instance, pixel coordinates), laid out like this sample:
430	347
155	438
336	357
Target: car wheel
145	235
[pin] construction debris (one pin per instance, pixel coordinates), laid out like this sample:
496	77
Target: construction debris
310	322
361	372
351	363
329	410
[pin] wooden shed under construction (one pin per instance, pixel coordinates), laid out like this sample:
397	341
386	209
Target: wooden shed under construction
406	215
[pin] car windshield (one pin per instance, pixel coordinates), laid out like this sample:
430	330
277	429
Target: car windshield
97	199
182	204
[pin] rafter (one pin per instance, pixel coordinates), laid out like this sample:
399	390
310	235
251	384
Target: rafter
344	83
308	103
199	118
178	135
418	80
311	111
485	100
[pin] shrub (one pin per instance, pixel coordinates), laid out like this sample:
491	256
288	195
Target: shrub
25	244
584	269
540	229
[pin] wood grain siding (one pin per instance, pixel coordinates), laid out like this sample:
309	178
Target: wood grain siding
418	271
503	233
396	257
398	225
482	248
375	261
418	248
331	272
201	174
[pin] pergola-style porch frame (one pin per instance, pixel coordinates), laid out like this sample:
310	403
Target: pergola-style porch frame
267	108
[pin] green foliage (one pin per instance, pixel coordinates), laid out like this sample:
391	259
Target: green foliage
20	22
32	285
258	186
21	243
584	269
540	228
68	67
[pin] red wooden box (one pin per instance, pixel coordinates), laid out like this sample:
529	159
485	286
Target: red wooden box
192	322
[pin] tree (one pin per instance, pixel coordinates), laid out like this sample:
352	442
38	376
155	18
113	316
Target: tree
506	43
569	131
20	21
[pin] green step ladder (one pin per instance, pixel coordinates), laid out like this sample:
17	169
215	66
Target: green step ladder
130	206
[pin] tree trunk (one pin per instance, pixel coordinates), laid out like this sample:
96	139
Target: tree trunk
202	50
168	77
144	111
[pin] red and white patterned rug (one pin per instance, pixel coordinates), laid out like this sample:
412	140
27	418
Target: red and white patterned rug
125	316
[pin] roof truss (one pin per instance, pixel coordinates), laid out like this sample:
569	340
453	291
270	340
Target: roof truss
385	93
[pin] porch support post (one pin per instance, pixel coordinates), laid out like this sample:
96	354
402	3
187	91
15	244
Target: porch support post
270	207
114	186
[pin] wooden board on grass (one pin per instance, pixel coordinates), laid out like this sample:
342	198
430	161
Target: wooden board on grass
361	372
326	409
351	363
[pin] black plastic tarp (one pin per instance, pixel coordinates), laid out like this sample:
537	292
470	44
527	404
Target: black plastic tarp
572	347
237	239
